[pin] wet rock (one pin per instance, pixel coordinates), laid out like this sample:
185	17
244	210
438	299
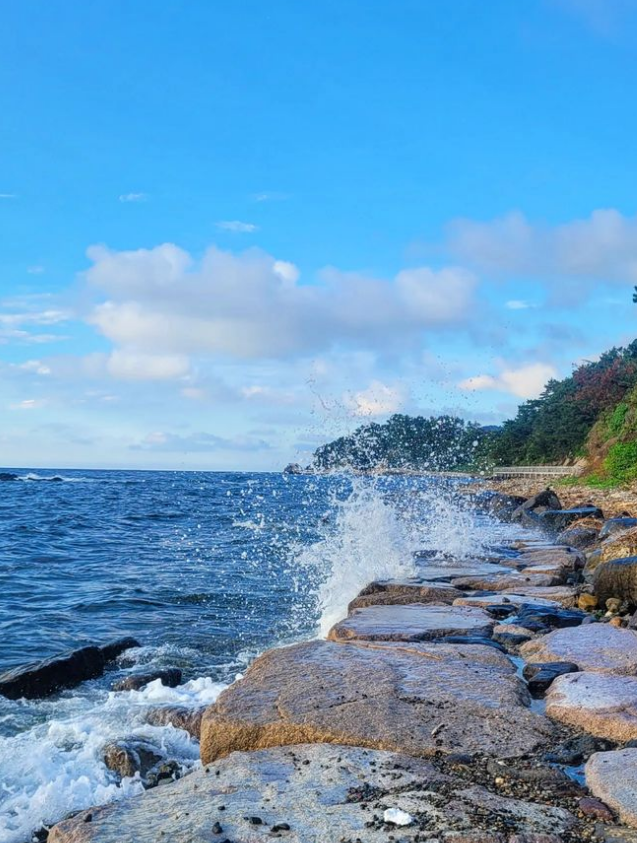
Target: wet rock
170	677
181	717
612	777
613	526
416	698
511	600
500	505
559	519
414	622
602	704
579	537
511	637
447	573
472	640
401	592
46	677
532	616
616	578
308	790
544	500
539	676
126	758
510	582
169	771
576	750
594	647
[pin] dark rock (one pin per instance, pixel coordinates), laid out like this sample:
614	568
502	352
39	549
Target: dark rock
532	617
560	519
170	677
576	750
188	719
472	639
579	537
45	677
540	675
616	578
126	758
498	504
114	649
169	771
616	525
544	500
293	468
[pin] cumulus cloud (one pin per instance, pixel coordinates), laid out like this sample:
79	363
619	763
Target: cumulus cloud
601	248
524	382
237	227
379	399
197	442
250	305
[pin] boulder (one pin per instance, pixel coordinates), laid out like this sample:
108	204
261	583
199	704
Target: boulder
127	758
170	677
612	526
179	716
391	592
539	676
559	519
318	794
616	578
414	622
602	704
46	677
612	776
544	500
579	537
498	504
596	647
619	546
436	573
414	698
547	617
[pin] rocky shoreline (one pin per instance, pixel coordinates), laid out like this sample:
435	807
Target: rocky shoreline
492	702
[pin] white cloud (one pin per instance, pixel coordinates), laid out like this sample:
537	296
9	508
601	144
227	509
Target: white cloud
237	227
601	248
36	366
133	197
35	270
518	304
28	404
250	305
128	365
378	399
524	382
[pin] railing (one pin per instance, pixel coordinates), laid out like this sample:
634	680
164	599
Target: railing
506	471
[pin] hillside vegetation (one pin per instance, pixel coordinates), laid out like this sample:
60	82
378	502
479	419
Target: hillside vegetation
591	414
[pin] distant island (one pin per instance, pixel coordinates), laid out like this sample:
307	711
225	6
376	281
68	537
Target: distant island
590	416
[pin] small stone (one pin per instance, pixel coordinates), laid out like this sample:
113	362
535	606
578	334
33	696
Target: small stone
217	828
587	601
613	604
254	820
281	827
397	817
616	621
592	807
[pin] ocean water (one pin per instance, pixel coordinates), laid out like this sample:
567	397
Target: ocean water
206	570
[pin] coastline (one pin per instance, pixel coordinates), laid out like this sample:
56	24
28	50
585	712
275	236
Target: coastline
442	708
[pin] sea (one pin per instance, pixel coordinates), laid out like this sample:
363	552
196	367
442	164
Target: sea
206	570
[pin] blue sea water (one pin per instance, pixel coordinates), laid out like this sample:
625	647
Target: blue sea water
206	570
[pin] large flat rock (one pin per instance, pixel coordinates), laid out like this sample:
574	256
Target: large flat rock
316	794
612	777
603	704
415	622
596	647
400	592
482	601
562	594
501	581
445	573
413	698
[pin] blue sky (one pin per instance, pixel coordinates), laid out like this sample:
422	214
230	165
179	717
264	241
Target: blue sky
231	231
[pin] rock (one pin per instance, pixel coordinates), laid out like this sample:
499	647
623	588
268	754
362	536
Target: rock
170	677
414	622
538	503
586	601
592	807
446	573
293	468
181	717
392	592
602	704
579	537
616	578
540	675
556	558
616	525
619	546
485	601
616	621
500	505
126	758
542	618
559	519
612	777
509	582
594	647
564	595
46	677
318	794
414	698
574	751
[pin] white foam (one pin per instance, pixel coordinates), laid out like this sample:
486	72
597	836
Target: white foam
56	767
